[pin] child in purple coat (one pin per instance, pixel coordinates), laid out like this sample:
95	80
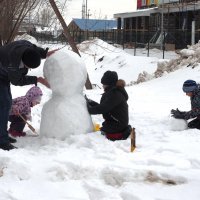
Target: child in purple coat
22	105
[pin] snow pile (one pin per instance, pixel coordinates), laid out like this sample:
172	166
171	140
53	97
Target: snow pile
187	57
99	56
66	112
185	53
96	47
28	37
142	77
177	124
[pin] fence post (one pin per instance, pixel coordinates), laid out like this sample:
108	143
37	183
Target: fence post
163	45
123	37
136	25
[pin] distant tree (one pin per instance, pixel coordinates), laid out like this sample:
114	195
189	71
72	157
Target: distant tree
12	14
45	16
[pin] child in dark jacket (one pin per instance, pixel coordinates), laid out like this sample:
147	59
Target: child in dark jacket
22	105
113	106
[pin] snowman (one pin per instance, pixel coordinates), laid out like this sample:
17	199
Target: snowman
66	112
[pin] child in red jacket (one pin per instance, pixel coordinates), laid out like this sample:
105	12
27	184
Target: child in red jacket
22	105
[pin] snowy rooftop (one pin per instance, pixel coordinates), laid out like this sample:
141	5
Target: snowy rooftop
95	24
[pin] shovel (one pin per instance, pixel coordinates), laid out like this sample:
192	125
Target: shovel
30	127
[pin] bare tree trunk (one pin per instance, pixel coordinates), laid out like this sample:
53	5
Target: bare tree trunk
21	17
17	23
12	14
88	84
0	41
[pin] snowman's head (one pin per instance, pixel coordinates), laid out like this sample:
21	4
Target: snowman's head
65	72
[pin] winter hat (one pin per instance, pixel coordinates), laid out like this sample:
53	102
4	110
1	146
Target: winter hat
34	94
109	78
31	58
189	86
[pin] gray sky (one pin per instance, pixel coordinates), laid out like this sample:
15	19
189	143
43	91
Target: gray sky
100	8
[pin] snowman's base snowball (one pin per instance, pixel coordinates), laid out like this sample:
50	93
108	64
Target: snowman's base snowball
177	124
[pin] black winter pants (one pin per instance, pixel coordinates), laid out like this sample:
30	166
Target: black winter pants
17	123
194	123
5	105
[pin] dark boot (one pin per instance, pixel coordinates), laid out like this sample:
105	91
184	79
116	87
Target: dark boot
195	123
15	133
7	146
12	140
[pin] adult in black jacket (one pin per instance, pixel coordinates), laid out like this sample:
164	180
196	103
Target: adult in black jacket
16	59
113	106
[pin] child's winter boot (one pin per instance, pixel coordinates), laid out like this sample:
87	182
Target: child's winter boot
15	133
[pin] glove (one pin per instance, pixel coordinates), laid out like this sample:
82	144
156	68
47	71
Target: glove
177	110
177	114
87	100
88	105
43	81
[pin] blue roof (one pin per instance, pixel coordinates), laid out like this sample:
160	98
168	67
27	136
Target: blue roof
95	24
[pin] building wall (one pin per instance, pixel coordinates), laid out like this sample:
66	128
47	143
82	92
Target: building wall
167	1
149	3
139	4
146	3
73	27
177	24
152	2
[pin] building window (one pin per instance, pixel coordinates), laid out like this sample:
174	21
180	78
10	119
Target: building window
144	3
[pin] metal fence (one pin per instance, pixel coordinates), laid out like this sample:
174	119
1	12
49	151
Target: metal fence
127	38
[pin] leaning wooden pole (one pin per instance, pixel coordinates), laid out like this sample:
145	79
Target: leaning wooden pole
88	84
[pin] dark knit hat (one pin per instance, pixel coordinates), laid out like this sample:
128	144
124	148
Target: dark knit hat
189	86
31	58
109	78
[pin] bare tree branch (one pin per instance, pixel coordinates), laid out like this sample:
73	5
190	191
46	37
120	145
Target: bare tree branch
12	14
28	6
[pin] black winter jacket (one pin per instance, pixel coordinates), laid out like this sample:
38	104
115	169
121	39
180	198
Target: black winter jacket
114	107
10	59
195	105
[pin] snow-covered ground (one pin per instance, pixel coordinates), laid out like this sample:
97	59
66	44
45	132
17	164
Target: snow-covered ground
164	166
